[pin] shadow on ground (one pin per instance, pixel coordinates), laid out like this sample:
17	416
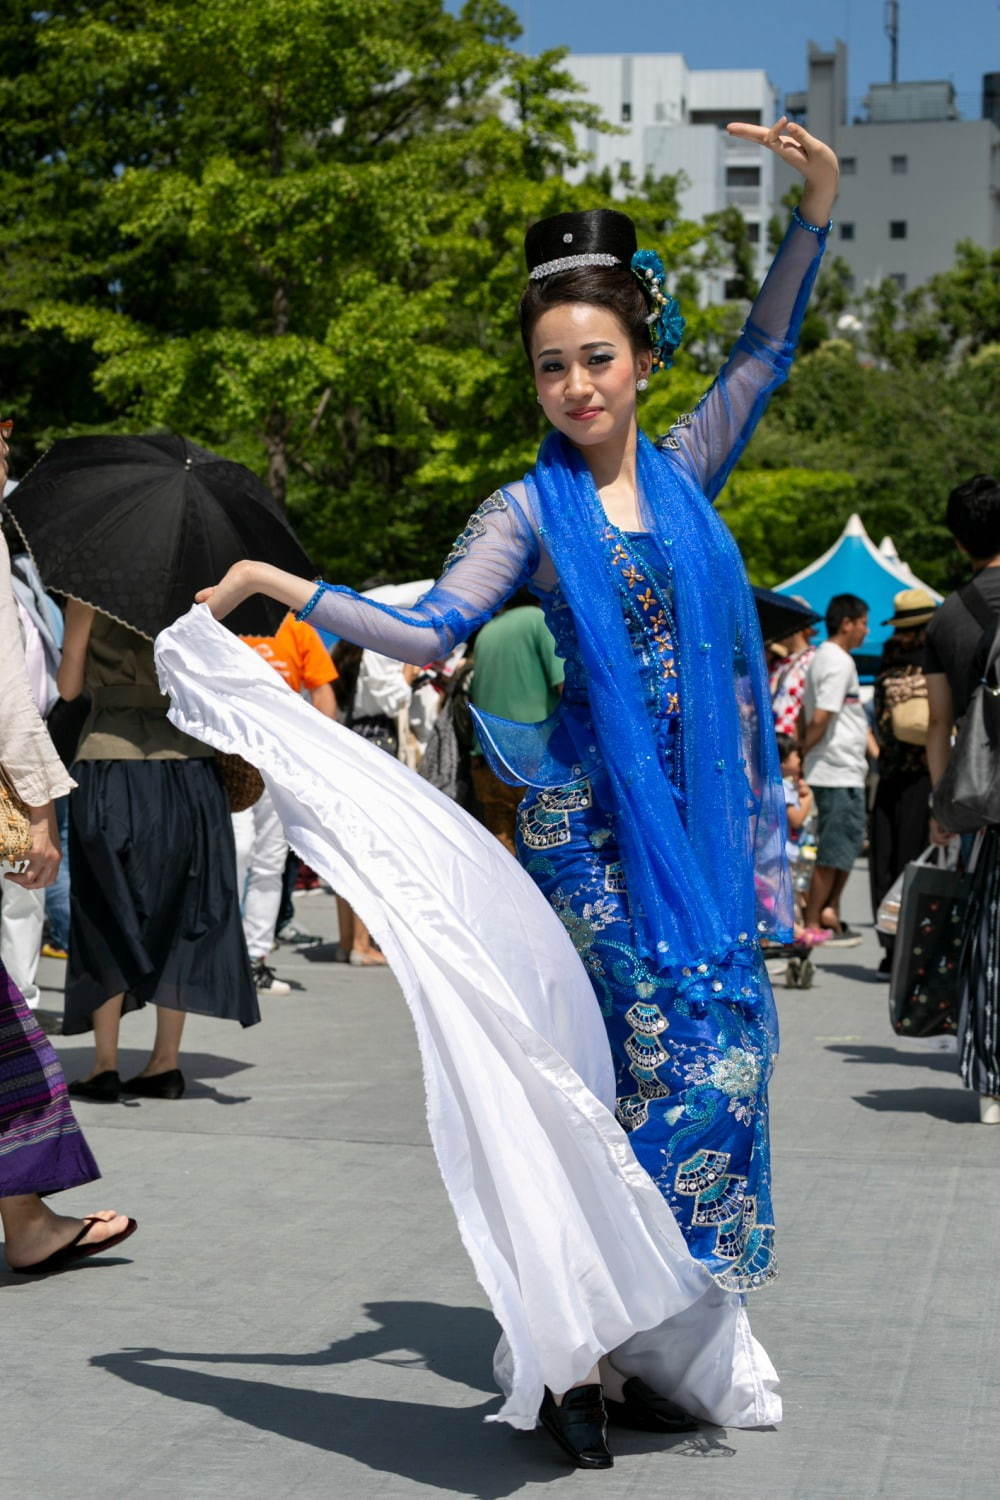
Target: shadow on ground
941	1062
956	1105
197	1067
448	1448
857	973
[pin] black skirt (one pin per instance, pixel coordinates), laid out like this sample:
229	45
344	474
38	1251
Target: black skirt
154	912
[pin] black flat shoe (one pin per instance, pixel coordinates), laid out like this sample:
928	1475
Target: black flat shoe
579	1426
103	1088
159	1086
644	1411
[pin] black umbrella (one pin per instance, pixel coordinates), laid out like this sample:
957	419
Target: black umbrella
780	616
135	525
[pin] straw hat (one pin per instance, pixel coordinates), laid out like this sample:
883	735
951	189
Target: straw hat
911	609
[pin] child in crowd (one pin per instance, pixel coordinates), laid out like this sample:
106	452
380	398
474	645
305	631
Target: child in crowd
799	808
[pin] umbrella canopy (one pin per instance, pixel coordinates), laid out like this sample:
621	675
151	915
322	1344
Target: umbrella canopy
854	565
780	616
136	525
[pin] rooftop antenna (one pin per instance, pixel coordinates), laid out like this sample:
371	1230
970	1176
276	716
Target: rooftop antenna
892	32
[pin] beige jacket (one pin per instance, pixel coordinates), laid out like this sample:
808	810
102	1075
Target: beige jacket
27	755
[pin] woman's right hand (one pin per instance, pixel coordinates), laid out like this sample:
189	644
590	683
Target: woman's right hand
44	856
248	577
231	591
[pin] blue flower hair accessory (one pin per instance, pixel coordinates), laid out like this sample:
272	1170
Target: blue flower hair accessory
666	325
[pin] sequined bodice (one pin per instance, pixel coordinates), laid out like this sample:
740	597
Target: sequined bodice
647	594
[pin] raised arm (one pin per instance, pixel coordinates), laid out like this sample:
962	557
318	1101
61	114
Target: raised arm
710	440
495	553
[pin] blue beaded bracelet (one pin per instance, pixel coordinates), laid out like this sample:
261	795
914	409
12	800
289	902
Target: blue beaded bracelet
812	228
310	605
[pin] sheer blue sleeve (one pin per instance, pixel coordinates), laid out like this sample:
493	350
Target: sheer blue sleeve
711	438
495	554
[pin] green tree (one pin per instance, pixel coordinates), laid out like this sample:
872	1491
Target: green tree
305	246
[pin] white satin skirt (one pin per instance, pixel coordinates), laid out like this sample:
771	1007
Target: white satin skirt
573	1244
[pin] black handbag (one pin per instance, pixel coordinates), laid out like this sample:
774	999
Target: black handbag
967	797
923	990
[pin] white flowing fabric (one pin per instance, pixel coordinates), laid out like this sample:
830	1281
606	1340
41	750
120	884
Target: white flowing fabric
574	1245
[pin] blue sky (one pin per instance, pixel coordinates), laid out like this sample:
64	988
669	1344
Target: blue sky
959	40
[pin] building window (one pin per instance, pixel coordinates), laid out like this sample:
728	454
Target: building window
848	166
753	233
734	290
626	114
722	117
899	165
898	278
743	177
659	112
847	231
897	229
848	281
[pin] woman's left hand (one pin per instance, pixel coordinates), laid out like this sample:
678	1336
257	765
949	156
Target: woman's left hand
816	161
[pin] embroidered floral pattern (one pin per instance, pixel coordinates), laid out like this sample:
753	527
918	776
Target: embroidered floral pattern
721	1201
545	823
691	1050
475	527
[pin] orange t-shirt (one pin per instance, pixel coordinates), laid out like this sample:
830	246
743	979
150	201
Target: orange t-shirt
297	652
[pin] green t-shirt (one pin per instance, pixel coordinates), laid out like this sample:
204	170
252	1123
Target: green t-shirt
517	671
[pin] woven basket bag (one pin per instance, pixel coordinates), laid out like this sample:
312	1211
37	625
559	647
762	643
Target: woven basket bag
243	783
15	829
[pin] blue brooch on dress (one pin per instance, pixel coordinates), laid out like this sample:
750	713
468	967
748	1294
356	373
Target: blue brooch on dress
666	324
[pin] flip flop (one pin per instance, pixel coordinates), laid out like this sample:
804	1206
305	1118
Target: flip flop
74	1251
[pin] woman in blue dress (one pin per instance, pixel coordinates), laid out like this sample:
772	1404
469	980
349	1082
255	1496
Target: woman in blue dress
654	817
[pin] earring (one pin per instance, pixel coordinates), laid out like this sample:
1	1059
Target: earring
539	400
641	385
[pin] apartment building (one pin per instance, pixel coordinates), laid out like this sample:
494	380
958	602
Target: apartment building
673	118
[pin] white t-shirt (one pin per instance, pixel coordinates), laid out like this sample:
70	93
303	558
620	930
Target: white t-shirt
840	758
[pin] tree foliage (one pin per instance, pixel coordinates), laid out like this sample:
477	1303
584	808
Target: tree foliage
293	232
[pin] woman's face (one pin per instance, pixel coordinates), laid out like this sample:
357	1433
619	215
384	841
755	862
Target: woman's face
585	372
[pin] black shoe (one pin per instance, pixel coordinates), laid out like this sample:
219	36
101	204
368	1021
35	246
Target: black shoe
159	1086
579	1426
266	981
103	1088
294	937
644	1411
326	953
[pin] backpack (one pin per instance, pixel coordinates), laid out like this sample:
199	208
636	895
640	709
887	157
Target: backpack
967	797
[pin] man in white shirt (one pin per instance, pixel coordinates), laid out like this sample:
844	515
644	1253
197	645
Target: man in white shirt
836	747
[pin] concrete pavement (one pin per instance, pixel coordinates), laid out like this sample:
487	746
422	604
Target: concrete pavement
296	1316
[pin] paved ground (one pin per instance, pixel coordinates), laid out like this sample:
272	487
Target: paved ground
296	1316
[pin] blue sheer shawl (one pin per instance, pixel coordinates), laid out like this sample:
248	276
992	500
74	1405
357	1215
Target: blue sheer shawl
704	856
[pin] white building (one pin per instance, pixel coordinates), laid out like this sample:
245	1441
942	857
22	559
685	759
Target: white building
674	120
915	178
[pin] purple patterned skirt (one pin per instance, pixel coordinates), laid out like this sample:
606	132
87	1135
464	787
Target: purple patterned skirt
42	1149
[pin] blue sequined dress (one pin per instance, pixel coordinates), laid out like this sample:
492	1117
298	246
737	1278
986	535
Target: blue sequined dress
693	1051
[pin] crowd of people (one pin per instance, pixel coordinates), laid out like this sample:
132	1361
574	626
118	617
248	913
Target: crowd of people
623	740
860	773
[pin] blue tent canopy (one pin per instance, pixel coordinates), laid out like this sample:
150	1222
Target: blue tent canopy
854	565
